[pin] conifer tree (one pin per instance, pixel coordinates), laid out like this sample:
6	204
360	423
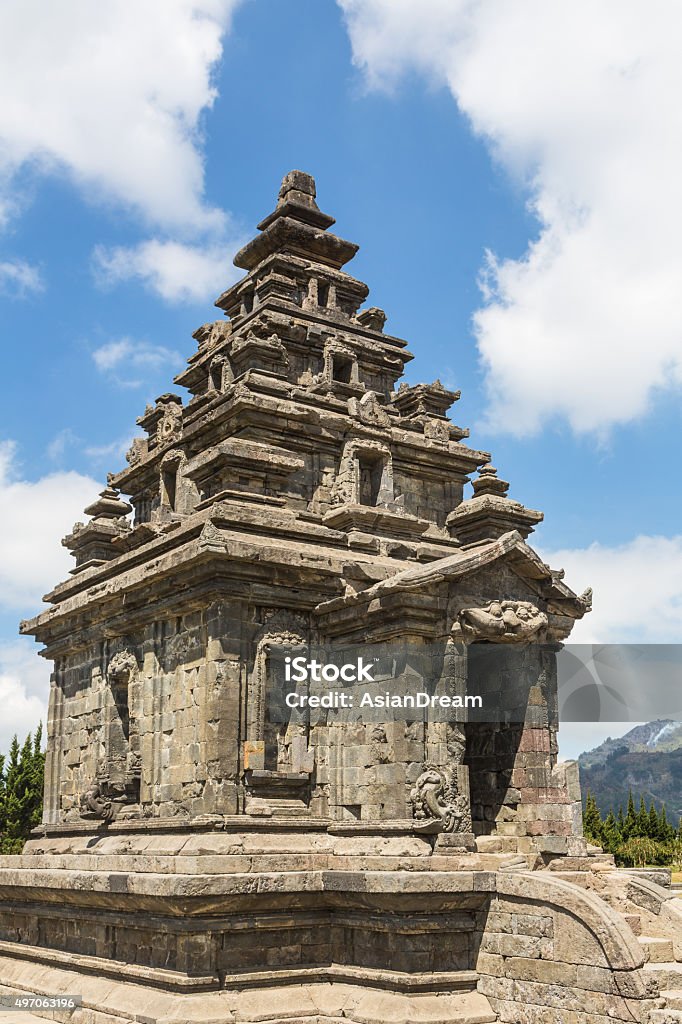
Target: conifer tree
592	823
643	819
629	828
654	826
37	778
9	835
666	832
21	792
2	797
612	837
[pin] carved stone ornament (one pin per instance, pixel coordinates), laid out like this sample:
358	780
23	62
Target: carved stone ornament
436	430
93	804
216	333
502	621
133	765
369	410
122	667
211	538
169	427
137	451
436	804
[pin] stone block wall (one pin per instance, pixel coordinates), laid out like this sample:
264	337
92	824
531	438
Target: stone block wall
180	723
194	691
227	944
367	770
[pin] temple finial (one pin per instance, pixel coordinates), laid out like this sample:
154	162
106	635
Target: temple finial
298	187
488	482
295	203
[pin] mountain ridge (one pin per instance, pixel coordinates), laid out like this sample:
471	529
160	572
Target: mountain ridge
646	761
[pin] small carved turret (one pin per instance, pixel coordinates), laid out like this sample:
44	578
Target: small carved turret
490	513
163	421
109	505
91	543
424	399
488	482
373	319
296	199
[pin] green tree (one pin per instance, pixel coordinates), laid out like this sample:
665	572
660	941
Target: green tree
638	852
629	827
654	826
21	792
611	834
2	796
643	820
592	823
666	832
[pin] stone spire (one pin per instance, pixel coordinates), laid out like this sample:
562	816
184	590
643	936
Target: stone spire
296	226
296	351
297	200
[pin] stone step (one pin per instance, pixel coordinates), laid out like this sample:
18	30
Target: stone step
667	975
601	863
665	1017
660	950
581	878
496	844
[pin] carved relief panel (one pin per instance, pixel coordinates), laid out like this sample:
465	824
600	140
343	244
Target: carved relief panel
118	770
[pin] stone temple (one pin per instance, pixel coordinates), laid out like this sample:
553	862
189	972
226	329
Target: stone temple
201	862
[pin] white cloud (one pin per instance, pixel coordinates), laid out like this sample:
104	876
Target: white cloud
24	691
56	449
100	453
177	272
580	102
123	358
637	590
112	94
19	279
35	515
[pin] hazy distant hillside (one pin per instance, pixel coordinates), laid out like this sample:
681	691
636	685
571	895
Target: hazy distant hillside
647	760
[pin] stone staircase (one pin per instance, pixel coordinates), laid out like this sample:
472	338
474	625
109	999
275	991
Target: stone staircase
654	914
660	936
666	972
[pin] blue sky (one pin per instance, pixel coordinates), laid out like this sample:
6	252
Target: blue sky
430	149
